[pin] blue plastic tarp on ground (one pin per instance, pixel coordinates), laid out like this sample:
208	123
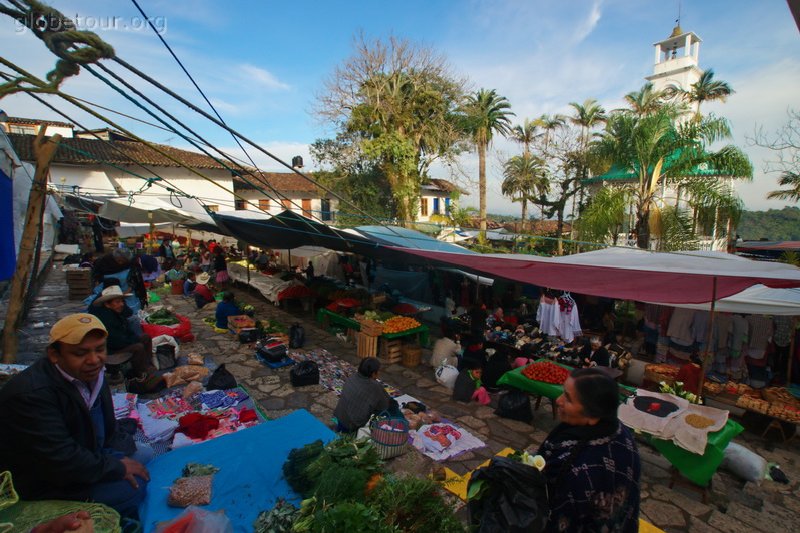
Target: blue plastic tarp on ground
250	479
8	253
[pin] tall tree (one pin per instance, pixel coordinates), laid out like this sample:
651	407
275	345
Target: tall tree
587	116
398	103
550	124
707	89
524	177
646	100
485	114
791	180
525	134
658	148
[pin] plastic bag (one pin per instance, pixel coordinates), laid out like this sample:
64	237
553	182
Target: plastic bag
508	496
744	463
447	375
304	373
221	379
516	405
165	359
197	520
181	331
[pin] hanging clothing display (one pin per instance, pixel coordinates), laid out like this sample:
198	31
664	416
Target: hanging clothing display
546	315
567	322
738	342
723	324
680	327
759	333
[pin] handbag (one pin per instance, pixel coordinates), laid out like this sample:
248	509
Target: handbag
304	373
389	435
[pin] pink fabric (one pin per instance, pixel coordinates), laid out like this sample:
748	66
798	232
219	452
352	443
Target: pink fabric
520	361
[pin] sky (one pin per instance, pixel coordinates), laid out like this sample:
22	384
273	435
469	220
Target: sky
263	64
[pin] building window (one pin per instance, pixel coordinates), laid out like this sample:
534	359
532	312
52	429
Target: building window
326	210
240	205
213	208
263	204
306	203
447	206
436	206
24	130
423	206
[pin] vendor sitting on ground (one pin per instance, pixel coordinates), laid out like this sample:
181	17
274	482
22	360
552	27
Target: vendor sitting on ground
60	439
109	308
202	294
226	308
689	374
446	350
190	284
362	396
468	384
594	354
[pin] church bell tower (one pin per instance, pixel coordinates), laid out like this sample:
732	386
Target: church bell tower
676	61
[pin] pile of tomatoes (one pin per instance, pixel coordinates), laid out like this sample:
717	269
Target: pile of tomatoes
546	372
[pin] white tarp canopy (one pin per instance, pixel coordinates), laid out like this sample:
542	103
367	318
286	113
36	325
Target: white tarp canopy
757	300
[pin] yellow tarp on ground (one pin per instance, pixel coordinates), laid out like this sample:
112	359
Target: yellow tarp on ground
458	486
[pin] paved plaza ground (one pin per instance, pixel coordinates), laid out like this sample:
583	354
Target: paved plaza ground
734	506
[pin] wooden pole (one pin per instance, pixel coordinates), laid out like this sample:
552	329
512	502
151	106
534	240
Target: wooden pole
709	338
44	149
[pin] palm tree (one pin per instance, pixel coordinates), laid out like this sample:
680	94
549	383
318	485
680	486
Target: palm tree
550	124
646	100
587	115
656	148
604	217
524	176
707	89
525	134
792	180
485	113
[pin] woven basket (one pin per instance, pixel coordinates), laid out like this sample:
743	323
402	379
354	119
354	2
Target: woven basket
412	354
389	436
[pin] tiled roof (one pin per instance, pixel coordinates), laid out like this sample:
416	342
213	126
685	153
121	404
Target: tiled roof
77	151
282	181
446	186
35	122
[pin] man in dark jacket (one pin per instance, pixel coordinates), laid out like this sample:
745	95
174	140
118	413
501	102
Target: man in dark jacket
109	307
60	439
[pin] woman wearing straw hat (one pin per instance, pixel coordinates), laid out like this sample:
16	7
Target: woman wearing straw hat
202	294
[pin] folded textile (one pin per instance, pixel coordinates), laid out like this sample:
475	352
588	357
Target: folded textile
443	441
155	429
124	403
223	399
196	425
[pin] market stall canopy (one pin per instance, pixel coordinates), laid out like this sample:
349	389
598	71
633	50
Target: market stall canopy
756	300
147	210
407	238
630	274
289	230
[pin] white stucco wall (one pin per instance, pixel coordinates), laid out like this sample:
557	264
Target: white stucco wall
276	207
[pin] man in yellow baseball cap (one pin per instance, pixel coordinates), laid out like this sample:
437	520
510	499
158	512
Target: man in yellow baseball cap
60	439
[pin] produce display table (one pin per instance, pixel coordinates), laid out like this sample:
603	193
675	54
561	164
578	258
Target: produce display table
326	318
515	378
699	469
422	333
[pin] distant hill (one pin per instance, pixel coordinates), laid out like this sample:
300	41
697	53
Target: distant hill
774	225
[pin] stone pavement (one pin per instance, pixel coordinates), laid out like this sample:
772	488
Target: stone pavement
734	506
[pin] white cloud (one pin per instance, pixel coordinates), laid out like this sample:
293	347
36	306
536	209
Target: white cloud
588	25
262	77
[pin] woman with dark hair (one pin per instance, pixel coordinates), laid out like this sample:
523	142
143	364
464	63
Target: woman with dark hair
592	463
362	396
